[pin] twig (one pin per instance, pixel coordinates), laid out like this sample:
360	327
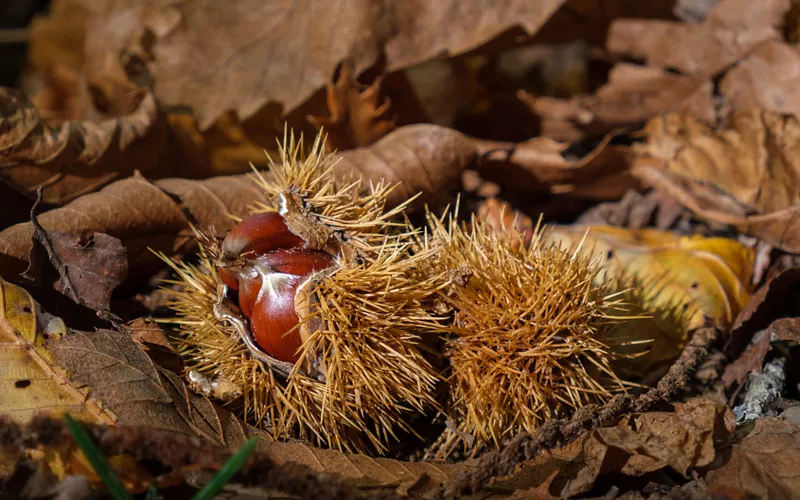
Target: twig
557	432
40	235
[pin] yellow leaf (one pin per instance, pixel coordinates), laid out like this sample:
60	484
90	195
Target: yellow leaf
684	279
31	382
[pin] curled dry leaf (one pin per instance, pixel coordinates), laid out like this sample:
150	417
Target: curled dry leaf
744	174
359	115
632	95
764	464
166	39
78	157
89	271
682	440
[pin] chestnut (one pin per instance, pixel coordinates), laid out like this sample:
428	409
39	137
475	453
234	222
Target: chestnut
270	265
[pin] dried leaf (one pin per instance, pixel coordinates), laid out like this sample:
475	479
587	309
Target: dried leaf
743	175
236	74
773	300
752	359
359	115
764	464
647	442
121	375
632	95
500	217
711	274
79	157
731	30
88	272
38	385
141	214
766	78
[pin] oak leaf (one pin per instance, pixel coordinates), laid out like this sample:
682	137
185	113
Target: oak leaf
642	443
743	174
359	115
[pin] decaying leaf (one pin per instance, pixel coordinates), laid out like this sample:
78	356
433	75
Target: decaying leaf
34	383
764	464
78	157
632	95
743	175
165	39
647	442
359	115
709	275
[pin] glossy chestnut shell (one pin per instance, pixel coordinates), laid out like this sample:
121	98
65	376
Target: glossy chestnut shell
275	265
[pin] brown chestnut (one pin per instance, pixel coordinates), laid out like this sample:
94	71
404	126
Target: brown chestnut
268	280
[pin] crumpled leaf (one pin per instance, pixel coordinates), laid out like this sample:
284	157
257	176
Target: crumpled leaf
764	464
752	359
684	279
743	175
38	385
642	443
165	39
773	300
359	115
78	157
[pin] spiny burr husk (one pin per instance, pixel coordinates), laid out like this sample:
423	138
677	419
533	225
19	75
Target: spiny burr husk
531	335
363	371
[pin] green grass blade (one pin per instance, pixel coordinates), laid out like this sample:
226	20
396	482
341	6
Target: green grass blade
227	471
115	487
152	493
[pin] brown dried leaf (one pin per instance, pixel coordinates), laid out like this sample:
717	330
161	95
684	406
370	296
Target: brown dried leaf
767	78
89	272
764	464
772	300
632	95
359	115
752	359
141	214
79	157
731	30
647	442
119	373
302	44
744	174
